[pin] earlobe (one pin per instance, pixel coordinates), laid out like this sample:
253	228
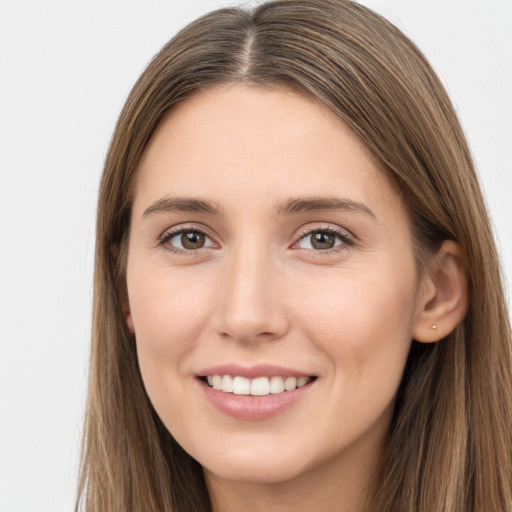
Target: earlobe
444	298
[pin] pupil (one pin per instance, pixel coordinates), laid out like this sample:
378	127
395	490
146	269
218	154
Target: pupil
322	240
192	240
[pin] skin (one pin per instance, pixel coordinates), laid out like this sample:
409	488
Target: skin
259	291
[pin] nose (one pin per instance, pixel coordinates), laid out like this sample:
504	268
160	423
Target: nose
250	304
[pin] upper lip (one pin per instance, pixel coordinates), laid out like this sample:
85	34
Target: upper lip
252	371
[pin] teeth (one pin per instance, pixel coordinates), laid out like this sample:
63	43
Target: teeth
227	384
260	386
290	383
276	385
217	382
302	381
241	386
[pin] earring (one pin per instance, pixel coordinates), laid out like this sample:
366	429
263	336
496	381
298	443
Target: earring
433	326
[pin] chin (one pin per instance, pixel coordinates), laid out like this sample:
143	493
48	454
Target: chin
256	466
263	474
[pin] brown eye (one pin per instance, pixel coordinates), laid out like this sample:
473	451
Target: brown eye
186	240
322	240
192	240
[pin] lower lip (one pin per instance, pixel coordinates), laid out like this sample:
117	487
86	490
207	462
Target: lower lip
253	408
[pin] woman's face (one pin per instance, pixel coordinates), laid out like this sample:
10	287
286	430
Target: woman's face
268	250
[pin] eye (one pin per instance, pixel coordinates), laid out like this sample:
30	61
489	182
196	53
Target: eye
186	240
324	240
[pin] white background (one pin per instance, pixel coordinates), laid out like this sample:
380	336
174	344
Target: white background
65	70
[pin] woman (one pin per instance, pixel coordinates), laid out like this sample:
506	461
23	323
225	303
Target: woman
298	303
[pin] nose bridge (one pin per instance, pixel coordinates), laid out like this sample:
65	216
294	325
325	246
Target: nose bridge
248	305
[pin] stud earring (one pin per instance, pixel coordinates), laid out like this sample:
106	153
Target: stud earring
433	326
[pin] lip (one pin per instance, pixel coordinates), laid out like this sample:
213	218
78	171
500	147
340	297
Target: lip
253	371
253	408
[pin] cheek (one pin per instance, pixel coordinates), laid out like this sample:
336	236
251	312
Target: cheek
361	319
169	314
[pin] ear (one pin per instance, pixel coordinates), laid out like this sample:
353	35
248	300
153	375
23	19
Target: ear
443	299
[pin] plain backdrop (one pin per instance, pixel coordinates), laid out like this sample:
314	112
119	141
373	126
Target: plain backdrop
66	68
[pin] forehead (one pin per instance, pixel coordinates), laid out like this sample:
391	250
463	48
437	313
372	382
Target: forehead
267	142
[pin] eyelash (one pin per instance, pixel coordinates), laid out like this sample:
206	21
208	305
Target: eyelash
346	240
169	235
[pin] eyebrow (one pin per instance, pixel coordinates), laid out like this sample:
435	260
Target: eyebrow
183	204
308	204
289	207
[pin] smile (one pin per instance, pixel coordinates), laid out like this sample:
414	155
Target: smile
260	386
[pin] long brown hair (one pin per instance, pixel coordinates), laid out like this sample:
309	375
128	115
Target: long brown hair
450	441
